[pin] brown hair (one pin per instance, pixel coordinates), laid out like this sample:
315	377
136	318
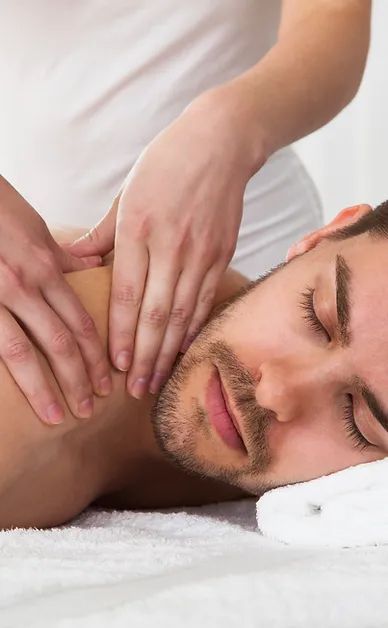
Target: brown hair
374	222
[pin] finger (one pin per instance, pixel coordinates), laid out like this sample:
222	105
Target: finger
60	255
205	302
100	239
128	281
70	263
153	318
182	310
60	348
21	360
78	322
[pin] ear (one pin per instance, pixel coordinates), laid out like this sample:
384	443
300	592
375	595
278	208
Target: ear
345	217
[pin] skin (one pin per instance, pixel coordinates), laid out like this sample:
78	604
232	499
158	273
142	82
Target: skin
34	294
175	223
48	474
294	380
286	384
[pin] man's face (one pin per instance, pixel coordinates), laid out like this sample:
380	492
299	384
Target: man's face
276	359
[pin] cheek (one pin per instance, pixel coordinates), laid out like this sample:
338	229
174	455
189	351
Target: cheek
260	327
304	451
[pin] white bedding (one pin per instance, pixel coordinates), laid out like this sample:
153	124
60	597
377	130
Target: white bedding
198	567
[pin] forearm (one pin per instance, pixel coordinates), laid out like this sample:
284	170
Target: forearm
312	72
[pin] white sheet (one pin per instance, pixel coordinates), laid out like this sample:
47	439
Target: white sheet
201	567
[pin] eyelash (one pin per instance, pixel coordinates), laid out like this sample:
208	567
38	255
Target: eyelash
307	305
351	428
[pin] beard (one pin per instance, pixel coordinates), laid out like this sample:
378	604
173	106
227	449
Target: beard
179	431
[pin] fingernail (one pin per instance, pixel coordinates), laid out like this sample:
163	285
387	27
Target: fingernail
123	360
139	388
157	382
94	260
55	414
85	408
105	387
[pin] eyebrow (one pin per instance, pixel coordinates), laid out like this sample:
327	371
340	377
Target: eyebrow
343	278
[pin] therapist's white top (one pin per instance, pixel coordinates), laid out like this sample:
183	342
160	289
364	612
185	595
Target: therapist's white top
86	84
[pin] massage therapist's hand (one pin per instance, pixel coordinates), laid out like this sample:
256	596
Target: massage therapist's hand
35	298
174	227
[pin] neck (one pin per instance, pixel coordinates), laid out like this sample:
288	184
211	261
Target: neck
117	441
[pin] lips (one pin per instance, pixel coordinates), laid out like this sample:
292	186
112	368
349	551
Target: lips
220	415
227	405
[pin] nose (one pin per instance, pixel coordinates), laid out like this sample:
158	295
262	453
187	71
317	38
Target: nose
291	388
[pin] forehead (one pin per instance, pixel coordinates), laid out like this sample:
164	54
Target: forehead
368	261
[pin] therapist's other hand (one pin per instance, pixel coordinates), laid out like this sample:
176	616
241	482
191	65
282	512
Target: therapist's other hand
36	302
174	227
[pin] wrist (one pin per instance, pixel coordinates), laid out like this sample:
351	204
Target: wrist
232	114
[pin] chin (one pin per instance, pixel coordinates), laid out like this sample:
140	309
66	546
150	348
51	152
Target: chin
175	436
179	438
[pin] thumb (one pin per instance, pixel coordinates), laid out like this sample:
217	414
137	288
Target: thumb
69	262
100	239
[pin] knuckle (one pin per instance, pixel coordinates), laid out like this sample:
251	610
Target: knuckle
125	337
156	317
16	278
142	226
126	295
179	244
179	317
44	256
63	343
87	325
47	267
11	279
17	350
207	297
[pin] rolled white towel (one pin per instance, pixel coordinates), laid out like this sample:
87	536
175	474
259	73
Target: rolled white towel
344	509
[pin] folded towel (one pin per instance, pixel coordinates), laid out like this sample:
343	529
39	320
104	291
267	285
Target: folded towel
344	509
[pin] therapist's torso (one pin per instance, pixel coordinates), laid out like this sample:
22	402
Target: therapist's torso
86	84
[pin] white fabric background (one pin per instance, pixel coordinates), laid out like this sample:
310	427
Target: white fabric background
348	158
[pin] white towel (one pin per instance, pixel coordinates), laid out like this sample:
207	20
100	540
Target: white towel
344	509
204	567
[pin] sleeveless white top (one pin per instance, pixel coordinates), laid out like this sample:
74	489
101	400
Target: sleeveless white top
86	84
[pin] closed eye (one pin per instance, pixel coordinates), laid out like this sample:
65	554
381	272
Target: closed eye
307	304
309	314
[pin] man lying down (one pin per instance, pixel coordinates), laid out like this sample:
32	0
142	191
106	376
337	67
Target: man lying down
285	383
